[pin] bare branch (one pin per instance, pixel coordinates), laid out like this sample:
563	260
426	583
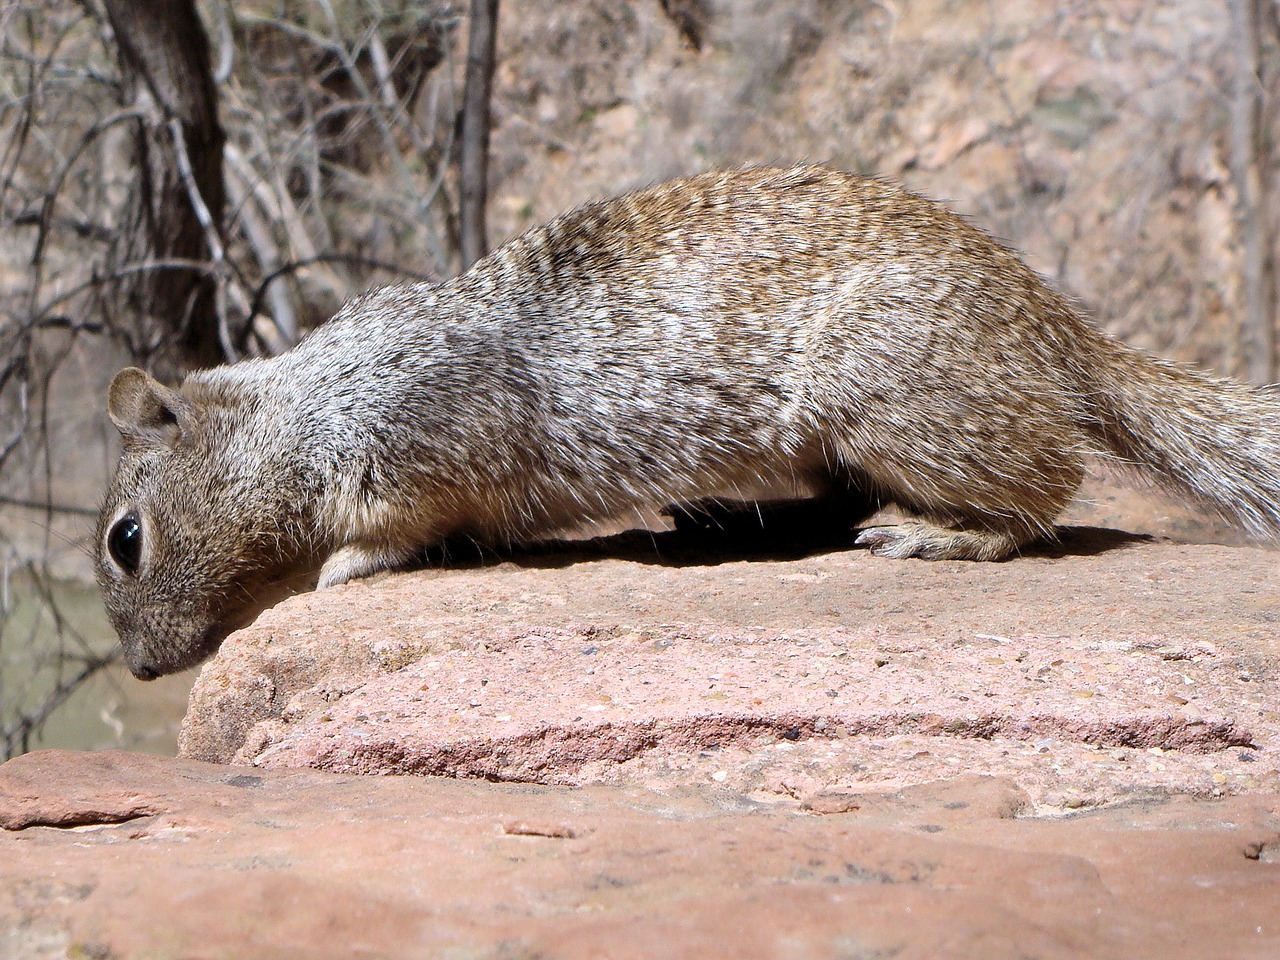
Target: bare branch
16	735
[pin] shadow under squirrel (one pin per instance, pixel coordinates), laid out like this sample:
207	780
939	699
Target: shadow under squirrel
797	328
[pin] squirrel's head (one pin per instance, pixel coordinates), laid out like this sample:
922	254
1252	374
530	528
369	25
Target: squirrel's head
201	527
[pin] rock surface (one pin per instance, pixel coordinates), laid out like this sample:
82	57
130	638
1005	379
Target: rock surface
1109	669
185	859
654	747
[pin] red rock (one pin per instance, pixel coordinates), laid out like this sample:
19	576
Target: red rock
27	800
299	863
779	679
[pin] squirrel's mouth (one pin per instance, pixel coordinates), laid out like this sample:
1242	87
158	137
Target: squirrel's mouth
218	632
142	672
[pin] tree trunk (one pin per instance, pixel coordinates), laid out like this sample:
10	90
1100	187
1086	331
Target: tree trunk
1248	169
164	58
474	173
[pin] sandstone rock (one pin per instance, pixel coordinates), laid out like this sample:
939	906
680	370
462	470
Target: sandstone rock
777	678
299	863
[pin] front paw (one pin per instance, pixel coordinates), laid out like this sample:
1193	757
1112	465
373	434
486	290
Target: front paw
354	561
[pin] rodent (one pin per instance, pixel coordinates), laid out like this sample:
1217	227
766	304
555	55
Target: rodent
758	327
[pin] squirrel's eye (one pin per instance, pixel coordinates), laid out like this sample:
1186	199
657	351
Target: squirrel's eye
124	543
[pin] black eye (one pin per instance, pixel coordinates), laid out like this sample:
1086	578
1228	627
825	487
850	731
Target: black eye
124	543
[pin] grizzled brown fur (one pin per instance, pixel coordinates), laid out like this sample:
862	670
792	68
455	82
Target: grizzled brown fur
757	328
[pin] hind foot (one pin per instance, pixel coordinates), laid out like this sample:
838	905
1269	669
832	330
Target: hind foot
929	542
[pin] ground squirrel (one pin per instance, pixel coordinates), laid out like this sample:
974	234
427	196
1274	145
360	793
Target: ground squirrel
798	327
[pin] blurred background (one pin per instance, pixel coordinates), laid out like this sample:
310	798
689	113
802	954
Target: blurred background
184	183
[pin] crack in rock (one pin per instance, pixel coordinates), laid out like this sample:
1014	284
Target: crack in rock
35	813
548	752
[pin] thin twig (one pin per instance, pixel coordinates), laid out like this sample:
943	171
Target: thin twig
348	258
54	507
17	734
120	273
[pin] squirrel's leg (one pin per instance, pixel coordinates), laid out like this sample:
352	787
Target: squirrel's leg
357	560
931	542
952	532
982	502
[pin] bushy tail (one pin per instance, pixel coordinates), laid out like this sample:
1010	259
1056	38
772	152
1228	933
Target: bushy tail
1214	442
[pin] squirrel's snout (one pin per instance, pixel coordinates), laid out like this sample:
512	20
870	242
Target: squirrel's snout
143	672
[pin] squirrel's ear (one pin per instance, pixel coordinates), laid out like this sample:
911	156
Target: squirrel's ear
143	409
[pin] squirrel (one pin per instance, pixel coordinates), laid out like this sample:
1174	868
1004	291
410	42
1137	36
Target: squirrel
795	328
